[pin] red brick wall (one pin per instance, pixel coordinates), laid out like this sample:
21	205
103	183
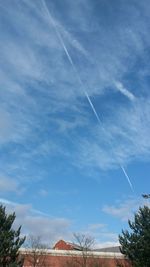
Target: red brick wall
63	245
75	261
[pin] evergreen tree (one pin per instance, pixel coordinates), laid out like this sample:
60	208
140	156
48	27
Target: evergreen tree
10	240
136	243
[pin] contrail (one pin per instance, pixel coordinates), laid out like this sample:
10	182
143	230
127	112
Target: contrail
127	177
70	60
74	43
80	81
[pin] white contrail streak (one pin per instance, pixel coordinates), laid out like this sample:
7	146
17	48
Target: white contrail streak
126	175
73	42
70	60
80	81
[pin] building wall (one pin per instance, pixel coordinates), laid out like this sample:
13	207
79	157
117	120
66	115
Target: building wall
62	245
65	258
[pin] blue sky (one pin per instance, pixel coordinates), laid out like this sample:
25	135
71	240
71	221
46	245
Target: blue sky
74	115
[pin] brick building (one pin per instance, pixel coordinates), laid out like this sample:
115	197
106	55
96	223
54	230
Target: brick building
66	254
63	245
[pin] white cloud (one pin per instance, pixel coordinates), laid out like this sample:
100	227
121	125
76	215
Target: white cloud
8	184
52	229
96	226
43	192
124	91
73	123
42	86
6	126
118	141
31	220
124	210
39	33
101	234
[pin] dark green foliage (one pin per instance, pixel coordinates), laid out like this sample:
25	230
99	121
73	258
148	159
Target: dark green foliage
10	240
136	243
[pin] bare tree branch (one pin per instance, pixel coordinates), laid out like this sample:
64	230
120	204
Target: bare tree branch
35	253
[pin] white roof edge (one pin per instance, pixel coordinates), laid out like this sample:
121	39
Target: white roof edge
55	252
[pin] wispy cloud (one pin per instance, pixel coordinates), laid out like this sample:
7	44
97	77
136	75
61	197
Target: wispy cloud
44	112
124	210
31	220
43	192
14	204
124	91
101	234
124	139
42	80
8	184
48	131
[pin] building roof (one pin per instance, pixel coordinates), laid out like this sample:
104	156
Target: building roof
70	253
115	249
63	245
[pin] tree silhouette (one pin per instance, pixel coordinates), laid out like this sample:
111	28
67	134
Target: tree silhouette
10	240
135	245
